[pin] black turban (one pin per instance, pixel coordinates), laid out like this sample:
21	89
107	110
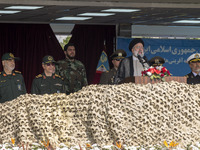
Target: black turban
134	42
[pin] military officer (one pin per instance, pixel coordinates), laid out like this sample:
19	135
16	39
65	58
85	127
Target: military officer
71	70
194	62
11	81
48	82
108	77
156	61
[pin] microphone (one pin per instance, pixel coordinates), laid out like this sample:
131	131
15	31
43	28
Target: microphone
146	60
140	59
143	60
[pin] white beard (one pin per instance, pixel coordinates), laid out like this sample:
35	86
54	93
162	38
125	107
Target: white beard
136	54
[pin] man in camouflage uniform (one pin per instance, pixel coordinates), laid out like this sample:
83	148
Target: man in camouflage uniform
108	77
71	70
48	82
11	81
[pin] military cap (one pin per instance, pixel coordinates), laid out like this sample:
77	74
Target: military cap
118	54
156	61
193	58
48	59
134	42
9	56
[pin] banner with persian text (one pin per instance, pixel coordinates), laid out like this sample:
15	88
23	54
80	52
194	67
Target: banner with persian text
175	52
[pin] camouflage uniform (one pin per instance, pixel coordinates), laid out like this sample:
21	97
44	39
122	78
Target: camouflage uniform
73	74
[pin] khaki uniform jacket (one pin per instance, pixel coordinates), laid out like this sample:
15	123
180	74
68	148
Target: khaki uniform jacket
11	86
108	77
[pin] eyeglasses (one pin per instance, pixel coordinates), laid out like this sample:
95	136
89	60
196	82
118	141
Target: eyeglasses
118	59
50	64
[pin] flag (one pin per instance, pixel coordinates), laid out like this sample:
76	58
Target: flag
103	65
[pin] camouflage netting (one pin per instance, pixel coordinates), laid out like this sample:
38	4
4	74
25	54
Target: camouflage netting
136	114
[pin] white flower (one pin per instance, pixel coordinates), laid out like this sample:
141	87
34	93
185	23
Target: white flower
197	144
75	147
96	148
62	145
35	144
178	148
108	147
159	67
64	148
149	73
94	145
194	147
132	148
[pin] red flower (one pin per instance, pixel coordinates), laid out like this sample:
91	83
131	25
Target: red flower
152	70
164	69
160	72
144	73
157	71
168	72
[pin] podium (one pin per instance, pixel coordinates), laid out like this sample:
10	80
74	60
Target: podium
145	79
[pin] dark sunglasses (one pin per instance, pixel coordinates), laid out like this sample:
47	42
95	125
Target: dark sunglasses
50	64
117	59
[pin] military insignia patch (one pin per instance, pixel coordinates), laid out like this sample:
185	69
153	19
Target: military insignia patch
157	61
39	76
196	56
17	71
120	54
50	58
11	55
19	87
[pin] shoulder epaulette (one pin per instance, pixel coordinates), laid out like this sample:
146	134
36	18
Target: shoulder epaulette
17	72
186	76
39	76
56	75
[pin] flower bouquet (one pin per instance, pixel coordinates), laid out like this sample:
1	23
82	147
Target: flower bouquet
158	72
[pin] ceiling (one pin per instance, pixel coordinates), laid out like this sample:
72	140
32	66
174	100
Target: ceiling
152	12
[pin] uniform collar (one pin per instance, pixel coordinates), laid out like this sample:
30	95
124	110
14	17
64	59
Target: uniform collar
4	73
44	76
67	59
195	74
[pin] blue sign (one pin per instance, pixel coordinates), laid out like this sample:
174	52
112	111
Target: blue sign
175	52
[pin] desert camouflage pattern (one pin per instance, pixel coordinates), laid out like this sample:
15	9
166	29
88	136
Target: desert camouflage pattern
139	115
